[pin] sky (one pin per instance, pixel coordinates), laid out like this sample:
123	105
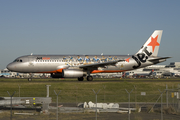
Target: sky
116	27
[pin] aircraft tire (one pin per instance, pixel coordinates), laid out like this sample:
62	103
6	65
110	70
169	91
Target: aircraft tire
29	79
89	78
80	78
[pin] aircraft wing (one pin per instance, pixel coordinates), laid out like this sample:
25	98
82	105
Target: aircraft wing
95	65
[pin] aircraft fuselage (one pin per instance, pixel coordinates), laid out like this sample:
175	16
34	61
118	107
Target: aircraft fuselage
55	63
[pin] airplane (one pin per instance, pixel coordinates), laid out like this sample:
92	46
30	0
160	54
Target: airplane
143	75
167	73
80	66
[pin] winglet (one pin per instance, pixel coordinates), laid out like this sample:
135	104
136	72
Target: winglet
152	44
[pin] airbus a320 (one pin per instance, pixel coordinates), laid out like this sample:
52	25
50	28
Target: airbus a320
81	66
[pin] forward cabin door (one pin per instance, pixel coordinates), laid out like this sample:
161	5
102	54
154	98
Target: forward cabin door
31	63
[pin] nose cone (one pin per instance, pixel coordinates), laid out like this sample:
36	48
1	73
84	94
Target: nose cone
10	67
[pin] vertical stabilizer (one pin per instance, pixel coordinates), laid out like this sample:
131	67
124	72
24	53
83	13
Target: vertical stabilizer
152	44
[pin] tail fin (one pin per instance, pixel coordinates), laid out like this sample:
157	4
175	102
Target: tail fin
151	47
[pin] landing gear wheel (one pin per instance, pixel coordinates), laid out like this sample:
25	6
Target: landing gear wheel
80	78
89	78
29	79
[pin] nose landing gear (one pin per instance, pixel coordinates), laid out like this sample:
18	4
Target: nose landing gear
30	78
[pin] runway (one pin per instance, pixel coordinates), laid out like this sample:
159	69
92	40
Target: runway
85	81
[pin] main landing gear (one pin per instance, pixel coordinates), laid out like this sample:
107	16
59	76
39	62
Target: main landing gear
89	78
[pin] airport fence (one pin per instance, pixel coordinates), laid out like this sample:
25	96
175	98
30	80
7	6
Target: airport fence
170	97
144	101
148	100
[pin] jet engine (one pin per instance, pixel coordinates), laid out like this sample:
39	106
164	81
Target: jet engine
72	73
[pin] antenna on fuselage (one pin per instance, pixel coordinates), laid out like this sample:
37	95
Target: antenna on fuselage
101	53
31	53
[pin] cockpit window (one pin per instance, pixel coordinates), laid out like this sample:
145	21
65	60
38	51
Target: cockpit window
15	60
18	60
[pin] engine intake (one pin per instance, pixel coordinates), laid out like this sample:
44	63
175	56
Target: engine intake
71	73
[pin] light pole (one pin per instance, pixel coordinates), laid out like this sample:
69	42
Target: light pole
47	88
11	102
104	86
57	103
76	93
161	104
129	102
135	96
167	95
96	100
19	89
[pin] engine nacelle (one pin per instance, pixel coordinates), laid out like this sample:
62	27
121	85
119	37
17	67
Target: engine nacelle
56	75
70	73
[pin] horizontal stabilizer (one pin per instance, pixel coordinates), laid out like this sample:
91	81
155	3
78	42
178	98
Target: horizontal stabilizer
157	59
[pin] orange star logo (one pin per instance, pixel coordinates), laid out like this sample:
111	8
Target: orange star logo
127	60
154	43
